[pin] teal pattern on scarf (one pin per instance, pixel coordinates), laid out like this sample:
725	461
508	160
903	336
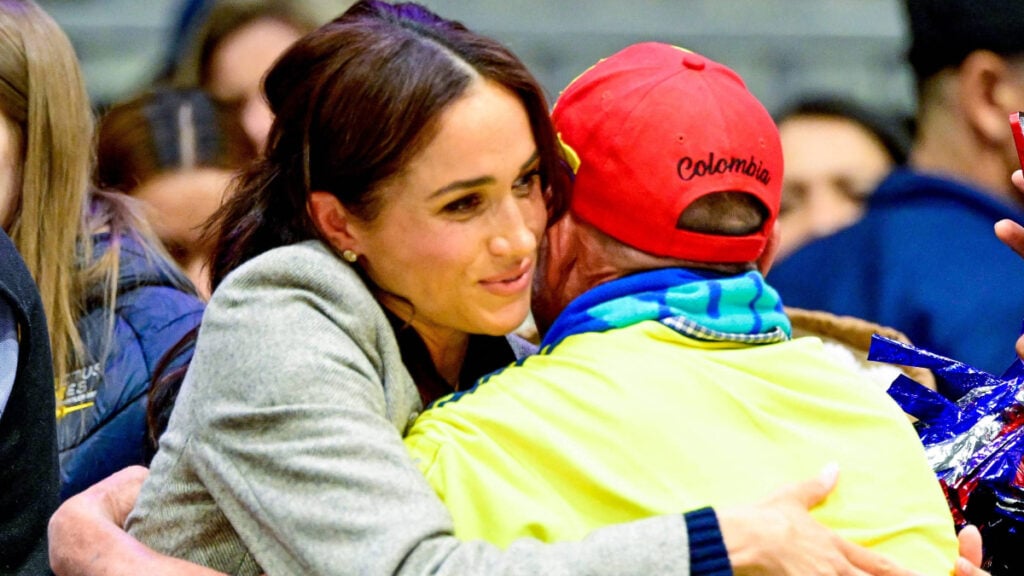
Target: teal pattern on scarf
704	305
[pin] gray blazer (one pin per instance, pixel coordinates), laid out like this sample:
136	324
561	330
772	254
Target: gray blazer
284	453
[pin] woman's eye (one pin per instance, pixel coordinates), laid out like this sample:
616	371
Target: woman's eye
527	183
462	205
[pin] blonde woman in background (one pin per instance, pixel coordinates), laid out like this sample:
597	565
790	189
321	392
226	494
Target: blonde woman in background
111	319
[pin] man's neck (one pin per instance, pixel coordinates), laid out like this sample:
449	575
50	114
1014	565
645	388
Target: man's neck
949	144
985	172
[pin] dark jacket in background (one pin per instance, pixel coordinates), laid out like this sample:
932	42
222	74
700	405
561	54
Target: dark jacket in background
924	260
28	447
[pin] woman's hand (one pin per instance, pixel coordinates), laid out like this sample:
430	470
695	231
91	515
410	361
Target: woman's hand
1010	232
970	553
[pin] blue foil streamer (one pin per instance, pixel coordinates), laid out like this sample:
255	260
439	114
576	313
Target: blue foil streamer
973	433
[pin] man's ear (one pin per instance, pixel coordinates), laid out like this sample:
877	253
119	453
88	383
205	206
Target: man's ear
771	249
332	220
989	93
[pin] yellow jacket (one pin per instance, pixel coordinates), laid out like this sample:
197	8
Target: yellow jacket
637	421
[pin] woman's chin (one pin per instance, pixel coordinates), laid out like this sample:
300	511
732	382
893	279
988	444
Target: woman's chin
506	322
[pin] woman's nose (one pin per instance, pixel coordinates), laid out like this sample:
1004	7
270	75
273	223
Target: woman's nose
514	235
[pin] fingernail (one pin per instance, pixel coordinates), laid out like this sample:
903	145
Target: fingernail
829	473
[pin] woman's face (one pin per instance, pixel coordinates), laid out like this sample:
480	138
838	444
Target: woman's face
458	231
10	172
237	68
832	166
177	206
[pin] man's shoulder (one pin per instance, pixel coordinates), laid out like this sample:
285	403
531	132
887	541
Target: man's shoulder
908	211
912	194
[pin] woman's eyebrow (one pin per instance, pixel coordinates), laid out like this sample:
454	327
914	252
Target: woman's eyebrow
481	181
529	162
460	184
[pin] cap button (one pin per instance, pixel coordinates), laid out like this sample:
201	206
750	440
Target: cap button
693	62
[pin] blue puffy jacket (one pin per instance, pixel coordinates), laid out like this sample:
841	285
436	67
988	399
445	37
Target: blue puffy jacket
102	419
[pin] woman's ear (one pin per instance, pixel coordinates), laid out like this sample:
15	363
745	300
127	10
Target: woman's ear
332	220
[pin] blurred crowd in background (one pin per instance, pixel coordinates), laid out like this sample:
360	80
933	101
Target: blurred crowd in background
782	48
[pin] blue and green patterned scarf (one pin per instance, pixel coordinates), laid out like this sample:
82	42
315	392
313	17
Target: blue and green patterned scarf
701	305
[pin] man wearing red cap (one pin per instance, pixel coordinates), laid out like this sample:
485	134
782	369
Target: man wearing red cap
667	377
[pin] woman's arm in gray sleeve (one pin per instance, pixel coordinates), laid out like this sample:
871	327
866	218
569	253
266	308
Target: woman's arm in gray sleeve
299	443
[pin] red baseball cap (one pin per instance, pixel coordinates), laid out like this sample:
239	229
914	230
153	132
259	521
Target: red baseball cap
654	127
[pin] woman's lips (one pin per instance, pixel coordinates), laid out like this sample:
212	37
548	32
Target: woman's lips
512	282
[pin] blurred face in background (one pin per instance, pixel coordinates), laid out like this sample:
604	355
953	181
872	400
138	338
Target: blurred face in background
10	172
177	151
237	67
177	206
182	201
831	166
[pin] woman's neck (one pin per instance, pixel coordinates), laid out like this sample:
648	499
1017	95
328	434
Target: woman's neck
446	346
447	349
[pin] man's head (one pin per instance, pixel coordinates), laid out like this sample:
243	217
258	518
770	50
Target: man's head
654	128
674	159
968	59
944	32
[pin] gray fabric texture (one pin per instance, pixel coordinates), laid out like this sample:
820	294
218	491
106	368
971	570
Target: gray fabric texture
284	451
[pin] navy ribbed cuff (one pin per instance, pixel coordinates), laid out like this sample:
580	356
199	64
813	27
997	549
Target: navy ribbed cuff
708	556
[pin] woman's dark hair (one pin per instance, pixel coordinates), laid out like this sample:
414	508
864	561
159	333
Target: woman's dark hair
168	375
890	130
354	101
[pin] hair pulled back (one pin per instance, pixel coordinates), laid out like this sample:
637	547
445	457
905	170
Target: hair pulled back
354	101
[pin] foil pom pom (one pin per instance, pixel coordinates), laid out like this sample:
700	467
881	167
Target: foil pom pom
973	434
